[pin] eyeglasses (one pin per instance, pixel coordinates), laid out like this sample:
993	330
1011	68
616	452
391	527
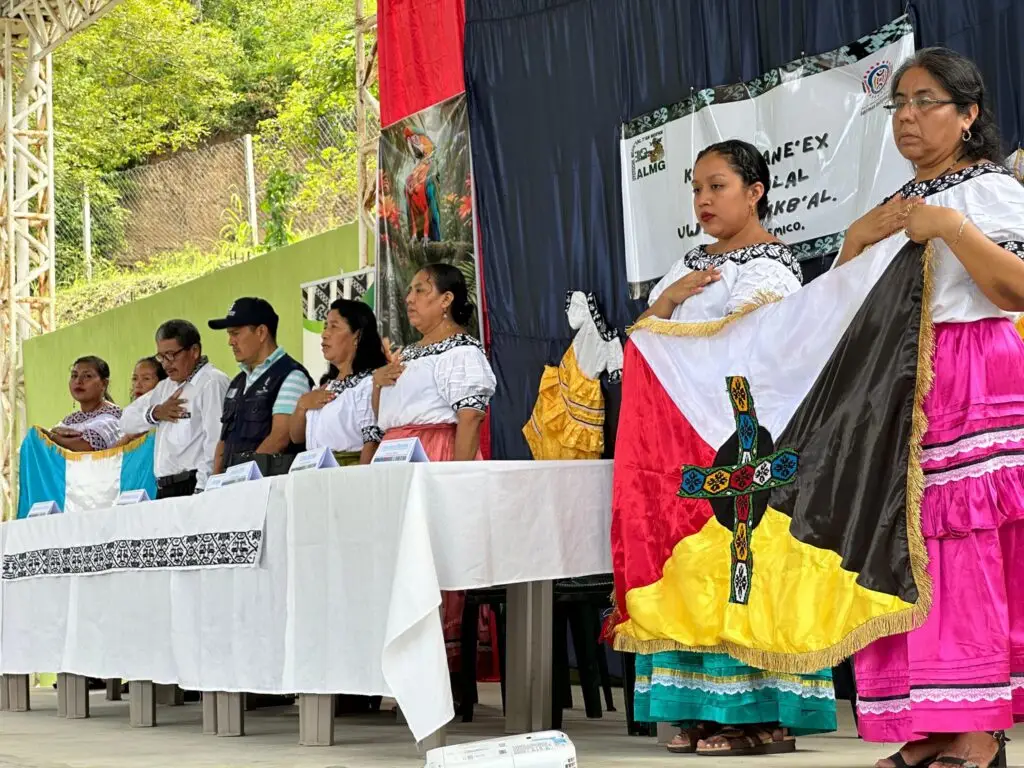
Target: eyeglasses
169	357
920	104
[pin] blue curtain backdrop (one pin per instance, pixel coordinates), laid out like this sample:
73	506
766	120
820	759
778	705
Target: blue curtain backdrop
549	83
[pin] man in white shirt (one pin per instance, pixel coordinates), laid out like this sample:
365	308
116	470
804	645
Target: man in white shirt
186	410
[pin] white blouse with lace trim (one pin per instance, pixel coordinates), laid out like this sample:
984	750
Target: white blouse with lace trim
595	354
439	380
993	200
743	280
348	421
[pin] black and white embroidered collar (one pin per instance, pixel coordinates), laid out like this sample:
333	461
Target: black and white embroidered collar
440	347
337	386
200	364
603	330
942	183
699	258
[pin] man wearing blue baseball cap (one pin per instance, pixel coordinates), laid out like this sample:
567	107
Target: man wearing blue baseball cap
266	391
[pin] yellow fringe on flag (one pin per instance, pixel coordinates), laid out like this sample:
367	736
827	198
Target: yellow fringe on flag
117	450
704	327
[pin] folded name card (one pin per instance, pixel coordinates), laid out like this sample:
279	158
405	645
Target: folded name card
406	449
214	481
318	458
131	497
241	473
41	508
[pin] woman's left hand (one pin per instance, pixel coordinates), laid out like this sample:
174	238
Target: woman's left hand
928	222
63	432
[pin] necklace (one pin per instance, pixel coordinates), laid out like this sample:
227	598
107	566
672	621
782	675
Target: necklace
945	172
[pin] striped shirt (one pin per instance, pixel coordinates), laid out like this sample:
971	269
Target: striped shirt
293	387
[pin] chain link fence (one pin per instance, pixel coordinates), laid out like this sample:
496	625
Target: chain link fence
230	199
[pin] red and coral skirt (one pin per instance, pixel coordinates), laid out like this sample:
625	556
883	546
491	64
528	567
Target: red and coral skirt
438	442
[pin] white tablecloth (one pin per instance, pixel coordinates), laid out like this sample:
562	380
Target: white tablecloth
346	596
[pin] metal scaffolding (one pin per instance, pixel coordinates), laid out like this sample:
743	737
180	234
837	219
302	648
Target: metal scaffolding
367	130
32	29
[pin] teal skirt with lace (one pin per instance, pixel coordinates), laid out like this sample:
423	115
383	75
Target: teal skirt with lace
689	688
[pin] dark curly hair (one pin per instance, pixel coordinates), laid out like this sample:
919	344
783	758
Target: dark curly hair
749	165
961	79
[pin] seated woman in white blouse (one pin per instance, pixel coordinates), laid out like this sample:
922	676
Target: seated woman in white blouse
339	414
438	389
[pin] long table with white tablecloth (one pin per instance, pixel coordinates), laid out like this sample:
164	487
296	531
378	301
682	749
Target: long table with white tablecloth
323	581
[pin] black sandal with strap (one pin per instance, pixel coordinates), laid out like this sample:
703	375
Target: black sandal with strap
901	762
999	761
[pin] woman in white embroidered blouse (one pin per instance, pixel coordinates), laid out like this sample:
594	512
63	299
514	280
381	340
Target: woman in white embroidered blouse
94	427
746	263
950	686
339	414
744	266
437	390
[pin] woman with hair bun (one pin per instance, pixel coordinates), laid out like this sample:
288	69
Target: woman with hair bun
730	197
725	707
438	389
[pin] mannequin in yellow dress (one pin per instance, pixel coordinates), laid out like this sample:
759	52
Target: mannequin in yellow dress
568	418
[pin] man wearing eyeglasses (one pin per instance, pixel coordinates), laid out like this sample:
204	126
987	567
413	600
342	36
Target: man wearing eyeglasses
186	410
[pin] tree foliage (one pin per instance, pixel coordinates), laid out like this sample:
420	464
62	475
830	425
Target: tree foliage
150	77
159	76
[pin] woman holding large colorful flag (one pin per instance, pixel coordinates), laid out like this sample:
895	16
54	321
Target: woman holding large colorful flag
94	427
950	687
725	707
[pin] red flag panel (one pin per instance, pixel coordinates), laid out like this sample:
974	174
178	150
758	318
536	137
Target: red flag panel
420	54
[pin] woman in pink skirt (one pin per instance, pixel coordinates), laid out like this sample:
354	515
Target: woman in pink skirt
950	688
438	390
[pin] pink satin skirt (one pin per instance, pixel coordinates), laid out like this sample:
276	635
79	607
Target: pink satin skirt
963	670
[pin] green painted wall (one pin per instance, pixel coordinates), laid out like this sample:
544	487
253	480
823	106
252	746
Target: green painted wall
123	335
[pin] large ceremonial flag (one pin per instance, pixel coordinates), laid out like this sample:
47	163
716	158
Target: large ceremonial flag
78	482
767	478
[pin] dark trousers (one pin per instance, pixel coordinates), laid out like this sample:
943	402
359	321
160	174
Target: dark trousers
186	486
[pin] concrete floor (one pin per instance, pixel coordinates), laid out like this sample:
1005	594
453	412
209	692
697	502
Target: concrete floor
38	739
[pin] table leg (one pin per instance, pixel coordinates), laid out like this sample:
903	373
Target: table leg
170	696
72	696
230	714
141	704
114	689
14	693
541	615
316	720
437	739
518	694
209	713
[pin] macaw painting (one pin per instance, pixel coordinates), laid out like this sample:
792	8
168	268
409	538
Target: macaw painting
424	207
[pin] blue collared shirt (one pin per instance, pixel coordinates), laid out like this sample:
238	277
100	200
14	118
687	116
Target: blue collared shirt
292	388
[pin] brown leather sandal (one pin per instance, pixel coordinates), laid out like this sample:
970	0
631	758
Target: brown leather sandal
685	742
750	740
